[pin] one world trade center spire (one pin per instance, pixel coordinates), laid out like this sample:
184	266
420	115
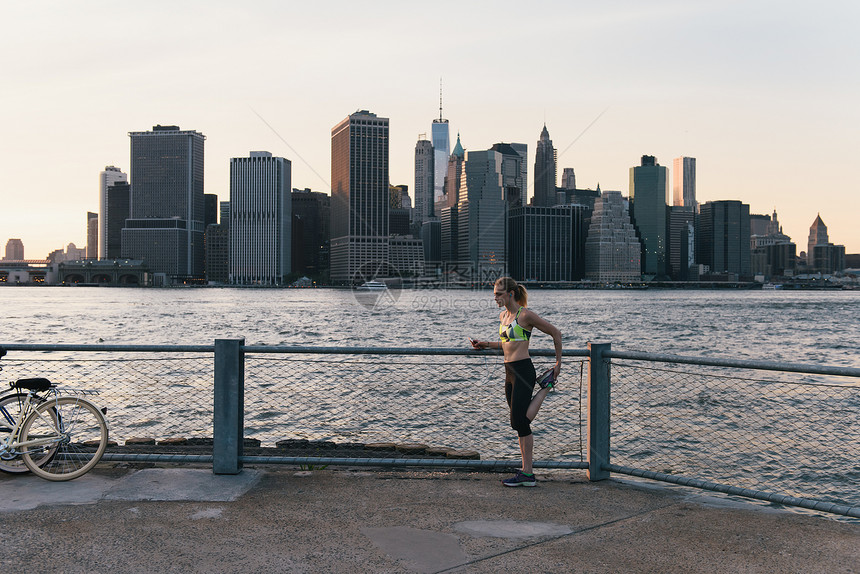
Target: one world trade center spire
441	149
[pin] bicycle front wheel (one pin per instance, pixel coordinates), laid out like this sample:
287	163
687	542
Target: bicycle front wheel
79	431
11	407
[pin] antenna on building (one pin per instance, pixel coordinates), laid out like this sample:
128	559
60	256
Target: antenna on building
440	98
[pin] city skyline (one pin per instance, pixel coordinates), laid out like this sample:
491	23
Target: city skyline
764	102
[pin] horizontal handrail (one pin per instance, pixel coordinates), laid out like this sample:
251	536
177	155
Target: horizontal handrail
403	351
111	348
741	364
629	355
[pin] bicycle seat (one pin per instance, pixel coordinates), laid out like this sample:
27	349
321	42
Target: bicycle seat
36	384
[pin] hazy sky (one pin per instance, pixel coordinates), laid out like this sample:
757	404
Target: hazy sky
765	94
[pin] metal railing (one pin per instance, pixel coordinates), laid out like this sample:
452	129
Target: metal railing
716	424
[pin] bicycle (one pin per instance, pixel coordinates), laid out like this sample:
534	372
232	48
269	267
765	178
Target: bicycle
56	436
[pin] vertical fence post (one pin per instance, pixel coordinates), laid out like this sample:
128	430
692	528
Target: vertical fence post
229	413
598	411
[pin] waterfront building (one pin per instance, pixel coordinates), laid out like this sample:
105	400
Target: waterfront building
165	226
110	176
612	250
406	255
14	250
821	255
648	192
684	183
568	178
425	193
360	199
311	221
828	259
260	219
722	238
104	272
547	243
773	260
546	162
441	148
217	242
117	208
682	243
482	215
771	251
92	235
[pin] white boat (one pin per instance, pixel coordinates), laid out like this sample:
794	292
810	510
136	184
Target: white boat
372	286
771	286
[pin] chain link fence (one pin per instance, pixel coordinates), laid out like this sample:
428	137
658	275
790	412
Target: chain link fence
161	402
149	398
454	402
794	434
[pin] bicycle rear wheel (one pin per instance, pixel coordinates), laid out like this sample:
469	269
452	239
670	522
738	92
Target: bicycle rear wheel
10	413
78	430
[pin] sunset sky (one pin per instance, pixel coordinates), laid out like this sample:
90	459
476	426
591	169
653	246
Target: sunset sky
765	94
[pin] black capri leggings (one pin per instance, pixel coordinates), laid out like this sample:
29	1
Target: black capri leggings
519	384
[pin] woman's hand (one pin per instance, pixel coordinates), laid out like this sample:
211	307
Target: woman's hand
479	345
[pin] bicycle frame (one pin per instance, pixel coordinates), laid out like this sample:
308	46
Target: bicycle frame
10	443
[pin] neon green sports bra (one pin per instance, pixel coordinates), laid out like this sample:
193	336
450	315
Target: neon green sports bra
512	331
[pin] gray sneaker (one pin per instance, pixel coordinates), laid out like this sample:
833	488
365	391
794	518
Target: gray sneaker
521	479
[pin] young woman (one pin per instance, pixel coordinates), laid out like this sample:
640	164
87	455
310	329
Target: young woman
516	324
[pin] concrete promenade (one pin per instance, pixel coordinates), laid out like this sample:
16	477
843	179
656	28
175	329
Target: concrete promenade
125	518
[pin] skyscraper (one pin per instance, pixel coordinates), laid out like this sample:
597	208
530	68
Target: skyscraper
359	197
817	236
108	177
568	178
684	183
441	147
547	243
823	256
482	215
260	219
648	191
546	161
311	218
513	171
92	235
681	244
612	250
424	181
117	208
14	250
165	227
210	209
723	238
449	214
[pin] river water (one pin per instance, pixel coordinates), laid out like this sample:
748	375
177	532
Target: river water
781	435
799	326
